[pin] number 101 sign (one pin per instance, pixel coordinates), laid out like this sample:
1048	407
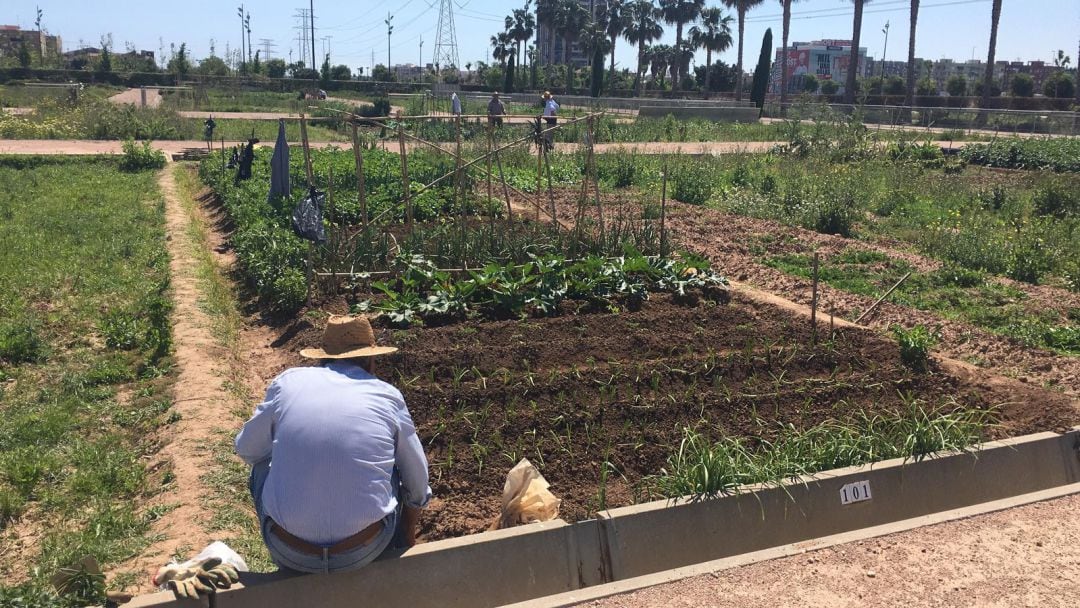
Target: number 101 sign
855	492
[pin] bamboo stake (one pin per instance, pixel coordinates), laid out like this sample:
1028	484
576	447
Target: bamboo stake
663	212
551	193
814	298
405	178
882	298
459	185
487	156
307	152
596	181
361	187
539	170
311	185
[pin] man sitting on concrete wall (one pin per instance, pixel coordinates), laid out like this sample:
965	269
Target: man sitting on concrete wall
338	474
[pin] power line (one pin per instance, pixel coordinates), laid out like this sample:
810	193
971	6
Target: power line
844	12
446	47
268	45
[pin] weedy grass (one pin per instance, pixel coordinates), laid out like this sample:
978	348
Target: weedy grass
704	467
84	319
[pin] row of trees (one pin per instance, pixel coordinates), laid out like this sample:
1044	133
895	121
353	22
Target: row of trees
641	22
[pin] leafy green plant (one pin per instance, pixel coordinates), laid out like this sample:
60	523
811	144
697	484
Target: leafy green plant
915	345
138	157
21	342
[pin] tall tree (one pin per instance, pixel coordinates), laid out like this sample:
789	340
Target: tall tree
761	72
713	35
853	62
910	101
642	27
572	21
615	15
741	8
661	57
596	48
783	50
545	19
988	79
680	13
520	25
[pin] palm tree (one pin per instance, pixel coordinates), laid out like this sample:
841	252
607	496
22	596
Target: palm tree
642	27
615	15
988	79
783	53
545	16
713	35
679	13
570	21
910	101
595	47
501	48
741	7
523	26
853	63
661	57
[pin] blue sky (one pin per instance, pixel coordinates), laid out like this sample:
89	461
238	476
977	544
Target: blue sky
958	29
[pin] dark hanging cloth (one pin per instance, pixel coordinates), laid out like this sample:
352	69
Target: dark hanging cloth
279	166
247	156
234	159
307	218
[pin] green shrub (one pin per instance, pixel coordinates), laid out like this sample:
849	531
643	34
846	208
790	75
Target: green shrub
690	186
833	217
1057	200
289	292
138	157
21	343
1028	260
915	345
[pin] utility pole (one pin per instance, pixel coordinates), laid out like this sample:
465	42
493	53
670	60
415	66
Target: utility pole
240	12
315	71
247	26
883	51
421	64
389	30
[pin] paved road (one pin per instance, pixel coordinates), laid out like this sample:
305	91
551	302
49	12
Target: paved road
1026	556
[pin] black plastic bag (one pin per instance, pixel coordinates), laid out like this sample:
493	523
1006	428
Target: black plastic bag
307	218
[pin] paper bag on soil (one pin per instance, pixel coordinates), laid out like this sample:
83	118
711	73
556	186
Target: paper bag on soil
526	498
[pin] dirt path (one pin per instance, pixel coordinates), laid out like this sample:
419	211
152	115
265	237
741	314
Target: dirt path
1028	556
134	97
199	397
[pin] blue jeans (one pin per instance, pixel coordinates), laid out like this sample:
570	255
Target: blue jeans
287	557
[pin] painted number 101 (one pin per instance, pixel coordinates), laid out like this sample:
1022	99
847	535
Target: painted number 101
855	492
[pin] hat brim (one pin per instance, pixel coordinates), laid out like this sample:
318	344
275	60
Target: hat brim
369	351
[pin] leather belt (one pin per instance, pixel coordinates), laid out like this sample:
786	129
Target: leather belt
359	539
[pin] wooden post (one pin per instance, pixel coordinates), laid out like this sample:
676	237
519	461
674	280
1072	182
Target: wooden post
405	176
814	298
490	134
551	194
591	168
459	186
307	152
502	179
882	298
663	213
361	187
539	170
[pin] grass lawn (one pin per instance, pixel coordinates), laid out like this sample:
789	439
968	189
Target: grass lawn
84	365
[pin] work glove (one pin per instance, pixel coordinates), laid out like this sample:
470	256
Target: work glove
189	579
189	588
221	576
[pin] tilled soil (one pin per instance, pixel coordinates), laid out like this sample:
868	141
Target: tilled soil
727	240
573	392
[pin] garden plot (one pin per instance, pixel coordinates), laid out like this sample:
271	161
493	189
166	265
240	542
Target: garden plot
622	373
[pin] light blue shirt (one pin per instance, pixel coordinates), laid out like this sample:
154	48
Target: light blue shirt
334	435
455	104
550	107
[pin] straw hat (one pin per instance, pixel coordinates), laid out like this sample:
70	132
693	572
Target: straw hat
347	337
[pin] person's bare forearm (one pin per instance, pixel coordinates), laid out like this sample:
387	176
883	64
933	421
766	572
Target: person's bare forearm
411	524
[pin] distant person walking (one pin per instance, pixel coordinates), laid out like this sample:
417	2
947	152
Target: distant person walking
495	110
551	109
455	105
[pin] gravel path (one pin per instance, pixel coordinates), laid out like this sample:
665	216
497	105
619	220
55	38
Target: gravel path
134	97
1027	556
